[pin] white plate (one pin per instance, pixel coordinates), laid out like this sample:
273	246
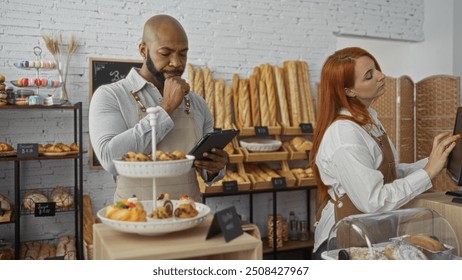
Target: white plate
156	227
260	145
154	169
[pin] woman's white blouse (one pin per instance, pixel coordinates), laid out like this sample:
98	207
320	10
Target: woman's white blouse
348	160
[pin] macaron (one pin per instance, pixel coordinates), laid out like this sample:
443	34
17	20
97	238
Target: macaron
37	82
44	82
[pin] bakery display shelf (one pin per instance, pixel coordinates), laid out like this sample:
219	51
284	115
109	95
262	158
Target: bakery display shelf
17	65
68	197
281	154
289	245
65	106
217	187
293	131
7	217
15	83
42	157
237	156
267	184
294	154
250	131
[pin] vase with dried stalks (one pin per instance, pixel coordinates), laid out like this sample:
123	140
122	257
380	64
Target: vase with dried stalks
54	46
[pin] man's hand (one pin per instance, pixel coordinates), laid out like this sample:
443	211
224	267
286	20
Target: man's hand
175	88
217	161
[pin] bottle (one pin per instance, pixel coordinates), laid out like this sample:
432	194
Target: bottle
293	226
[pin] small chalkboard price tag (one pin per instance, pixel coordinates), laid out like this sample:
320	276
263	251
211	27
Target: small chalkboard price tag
279	183
306	127
27	150
226	221
56	258
230	187
44	209
217	129
261	131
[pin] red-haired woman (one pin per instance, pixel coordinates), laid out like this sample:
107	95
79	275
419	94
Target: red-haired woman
356	166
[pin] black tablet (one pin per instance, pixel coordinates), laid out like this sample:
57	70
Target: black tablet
213	140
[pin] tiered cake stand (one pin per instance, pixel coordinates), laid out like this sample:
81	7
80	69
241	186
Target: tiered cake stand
155	169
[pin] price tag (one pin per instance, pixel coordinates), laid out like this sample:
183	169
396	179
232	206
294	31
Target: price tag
217	129
27	150
230	187
306	127
279	183
261	131
45	209
226	221
56	258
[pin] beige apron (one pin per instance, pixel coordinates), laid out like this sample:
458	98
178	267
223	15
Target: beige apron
343	206
182	137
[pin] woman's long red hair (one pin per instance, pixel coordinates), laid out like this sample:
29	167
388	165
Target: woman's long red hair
337	74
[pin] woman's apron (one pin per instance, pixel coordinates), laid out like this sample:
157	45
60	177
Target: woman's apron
182	137
343	206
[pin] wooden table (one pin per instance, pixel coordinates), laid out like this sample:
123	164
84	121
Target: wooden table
109	244
441	203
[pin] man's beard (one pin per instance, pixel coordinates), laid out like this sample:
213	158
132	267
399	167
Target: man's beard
159	75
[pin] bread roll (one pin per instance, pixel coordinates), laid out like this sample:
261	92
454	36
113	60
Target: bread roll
254	101
281	94
219	103
209	88
271	94
199	87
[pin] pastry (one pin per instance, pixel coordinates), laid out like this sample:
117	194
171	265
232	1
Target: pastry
74	147
32	197
129	210
403	252
133	156
426	242
63	147
165	211
187	209
62	196
5	147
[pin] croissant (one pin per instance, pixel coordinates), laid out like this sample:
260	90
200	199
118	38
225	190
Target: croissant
74	147
5	147
63	147
53	149
178	154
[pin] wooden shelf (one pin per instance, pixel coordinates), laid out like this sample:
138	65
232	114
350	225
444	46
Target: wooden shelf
289	245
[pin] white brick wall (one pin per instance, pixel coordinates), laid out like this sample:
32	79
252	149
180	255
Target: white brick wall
228	36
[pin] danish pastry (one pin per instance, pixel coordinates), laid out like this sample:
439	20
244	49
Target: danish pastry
130	210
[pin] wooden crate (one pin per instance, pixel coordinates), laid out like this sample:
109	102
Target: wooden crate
239	167
265	185
281	154
294	154
238	155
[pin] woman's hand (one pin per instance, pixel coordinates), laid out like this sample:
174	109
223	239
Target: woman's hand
217	159
443	144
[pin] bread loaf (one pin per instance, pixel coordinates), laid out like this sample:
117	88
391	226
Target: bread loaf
281	93
209	88
237	118
199	86
65	246
5	203
244	103
264	110
290	73
253	85
426	242
62	196
32	197
228	107
46	251
309	98
190	70
88	219
271	94
219	103
302	96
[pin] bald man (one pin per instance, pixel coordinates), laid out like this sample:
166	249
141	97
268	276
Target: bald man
118	122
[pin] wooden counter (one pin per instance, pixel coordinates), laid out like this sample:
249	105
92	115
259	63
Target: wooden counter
441	203
109	244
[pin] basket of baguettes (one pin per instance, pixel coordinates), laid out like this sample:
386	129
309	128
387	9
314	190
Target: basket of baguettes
275	97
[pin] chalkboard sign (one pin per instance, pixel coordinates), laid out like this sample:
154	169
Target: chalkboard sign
45	209
103	71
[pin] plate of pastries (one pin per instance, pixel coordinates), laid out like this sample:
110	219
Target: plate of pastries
166	164
134	216
6	150
58	149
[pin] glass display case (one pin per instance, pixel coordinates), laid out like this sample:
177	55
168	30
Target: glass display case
414	233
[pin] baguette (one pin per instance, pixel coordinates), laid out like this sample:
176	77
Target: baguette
228	104
190	70
237	119
301	93
309	98
244	103
281	93
265	118
290	72
88	219
198	82
271	94
209	90
219	105
254	100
